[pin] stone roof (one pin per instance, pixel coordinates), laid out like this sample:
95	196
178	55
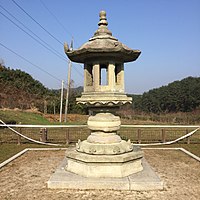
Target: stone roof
101	46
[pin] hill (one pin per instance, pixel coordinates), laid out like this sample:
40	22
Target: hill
24	117
20	90
178	96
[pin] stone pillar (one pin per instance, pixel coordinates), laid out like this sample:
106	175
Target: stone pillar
96	76
85	77
119	73
88	77
111	76
122	77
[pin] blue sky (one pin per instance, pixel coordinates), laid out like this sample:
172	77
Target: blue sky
166	31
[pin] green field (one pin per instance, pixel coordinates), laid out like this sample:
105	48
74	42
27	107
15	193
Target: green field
9	147
16	117
8	150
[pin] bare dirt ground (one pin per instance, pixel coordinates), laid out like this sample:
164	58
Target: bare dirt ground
25	178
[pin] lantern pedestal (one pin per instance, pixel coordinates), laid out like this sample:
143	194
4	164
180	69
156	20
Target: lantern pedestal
104	153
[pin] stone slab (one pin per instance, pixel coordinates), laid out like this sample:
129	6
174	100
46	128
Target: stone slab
147	179
141	181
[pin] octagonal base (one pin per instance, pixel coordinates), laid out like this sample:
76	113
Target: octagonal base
145	180
104	165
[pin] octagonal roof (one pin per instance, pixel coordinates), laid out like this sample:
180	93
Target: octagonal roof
102	45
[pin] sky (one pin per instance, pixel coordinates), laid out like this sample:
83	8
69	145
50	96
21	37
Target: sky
167	32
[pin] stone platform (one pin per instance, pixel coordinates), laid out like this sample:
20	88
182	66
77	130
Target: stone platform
100	166
141	181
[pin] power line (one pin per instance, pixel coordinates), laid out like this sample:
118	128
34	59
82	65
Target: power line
64	28
60	55
36	22
77	70
54	16
31	31
23	58
58	21
52	51
32	36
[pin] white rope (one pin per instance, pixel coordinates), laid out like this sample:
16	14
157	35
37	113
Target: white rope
42	126
85	126
174	148
144	126
12	158
170	142
28	149
53	149
159	126
32	140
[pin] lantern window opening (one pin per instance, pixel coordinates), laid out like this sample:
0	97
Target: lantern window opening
117	73
103	74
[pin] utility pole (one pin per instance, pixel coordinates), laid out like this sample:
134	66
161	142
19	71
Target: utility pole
68	83
68	88
45	106
54	108
61	101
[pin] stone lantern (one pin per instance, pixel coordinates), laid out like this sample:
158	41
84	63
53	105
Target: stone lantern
104	153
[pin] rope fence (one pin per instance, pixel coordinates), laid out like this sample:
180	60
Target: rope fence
143	135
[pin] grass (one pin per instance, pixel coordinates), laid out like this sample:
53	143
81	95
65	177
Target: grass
134	117
12	116
24	117
8	150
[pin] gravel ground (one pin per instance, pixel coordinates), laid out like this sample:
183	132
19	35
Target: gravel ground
26	177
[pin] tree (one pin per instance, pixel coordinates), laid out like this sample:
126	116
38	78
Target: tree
178	96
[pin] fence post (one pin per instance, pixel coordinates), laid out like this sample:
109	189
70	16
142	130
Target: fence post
18	136
188	138
43	134
18	139
67	136
163	136
139	136
40	134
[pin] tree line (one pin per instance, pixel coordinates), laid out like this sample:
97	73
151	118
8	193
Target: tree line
20	90
178	96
